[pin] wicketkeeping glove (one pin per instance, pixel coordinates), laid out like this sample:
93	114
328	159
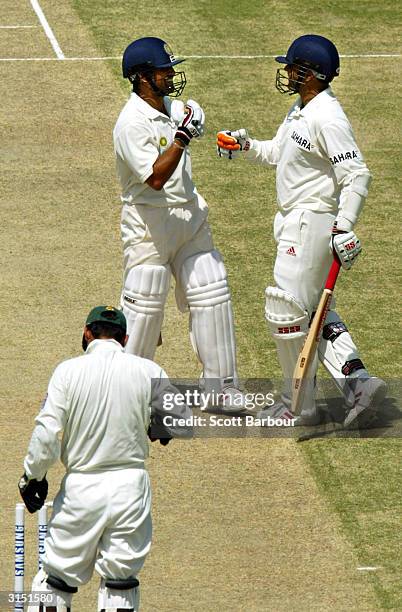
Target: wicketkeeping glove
33	492
163	441
193	124
346	246
231	144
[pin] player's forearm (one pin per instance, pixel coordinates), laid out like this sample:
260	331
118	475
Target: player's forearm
43	451
170	413
263	152
165	165
351	201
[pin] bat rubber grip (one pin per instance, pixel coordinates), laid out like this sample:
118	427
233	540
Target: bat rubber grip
333	275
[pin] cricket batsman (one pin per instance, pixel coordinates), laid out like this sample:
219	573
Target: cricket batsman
322	182
164	224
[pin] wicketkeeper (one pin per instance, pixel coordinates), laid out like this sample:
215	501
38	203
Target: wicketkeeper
322	182
101	403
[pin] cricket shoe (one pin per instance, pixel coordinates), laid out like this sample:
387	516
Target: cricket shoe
368	395
222	396
280	411
230	400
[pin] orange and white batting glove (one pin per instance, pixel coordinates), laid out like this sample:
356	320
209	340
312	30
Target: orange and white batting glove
231	144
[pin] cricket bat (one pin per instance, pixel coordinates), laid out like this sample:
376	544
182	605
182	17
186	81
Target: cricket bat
313	337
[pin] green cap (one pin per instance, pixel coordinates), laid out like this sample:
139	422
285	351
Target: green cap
107	314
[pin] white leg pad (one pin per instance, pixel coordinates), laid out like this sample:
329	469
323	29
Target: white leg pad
288	322
335	349
112	599
204	281
143	301
60	598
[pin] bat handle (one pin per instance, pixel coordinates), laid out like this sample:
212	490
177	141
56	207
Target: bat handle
333	274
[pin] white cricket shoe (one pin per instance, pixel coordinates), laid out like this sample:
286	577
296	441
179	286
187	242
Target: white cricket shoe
280	411
231	400
277	411
368	394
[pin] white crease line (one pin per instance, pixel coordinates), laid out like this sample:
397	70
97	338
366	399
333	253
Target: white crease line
48	30
16	27
273	56
101	59
369	568
373	55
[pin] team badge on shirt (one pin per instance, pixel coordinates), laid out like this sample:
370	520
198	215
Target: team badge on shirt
302	142
163	141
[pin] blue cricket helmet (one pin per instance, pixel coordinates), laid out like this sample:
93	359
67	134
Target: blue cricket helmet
147	53
315	52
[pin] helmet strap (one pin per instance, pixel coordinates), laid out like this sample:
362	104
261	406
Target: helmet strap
157	90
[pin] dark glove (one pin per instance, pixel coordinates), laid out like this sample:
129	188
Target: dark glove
33	492
163	441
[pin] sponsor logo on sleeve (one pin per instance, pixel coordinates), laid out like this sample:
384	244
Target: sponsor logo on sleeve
341	157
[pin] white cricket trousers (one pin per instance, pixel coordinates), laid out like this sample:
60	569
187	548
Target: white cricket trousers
303	255
102	521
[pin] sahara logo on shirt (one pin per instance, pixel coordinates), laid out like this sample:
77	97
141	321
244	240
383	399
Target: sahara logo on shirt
302	142
337	159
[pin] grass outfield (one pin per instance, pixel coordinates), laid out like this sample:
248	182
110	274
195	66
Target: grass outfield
239	524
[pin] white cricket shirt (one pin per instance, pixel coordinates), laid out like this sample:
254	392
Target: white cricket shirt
140	136
102	403
315	155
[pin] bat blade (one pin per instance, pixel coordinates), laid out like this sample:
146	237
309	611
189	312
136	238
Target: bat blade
308	351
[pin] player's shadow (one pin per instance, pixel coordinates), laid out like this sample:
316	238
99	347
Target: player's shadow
387	423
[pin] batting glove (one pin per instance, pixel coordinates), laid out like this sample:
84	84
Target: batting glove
33	492
193	124
231	144
346	246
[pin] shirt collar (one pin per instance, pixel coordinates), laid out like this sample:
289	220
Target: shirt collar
311	107
104	345
145	108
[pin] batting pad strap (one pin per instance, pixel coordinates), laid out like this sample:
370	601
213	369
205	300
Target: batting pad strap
60	585
286	317
352	366
141	303
332	331
127	583
111	598
209	295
